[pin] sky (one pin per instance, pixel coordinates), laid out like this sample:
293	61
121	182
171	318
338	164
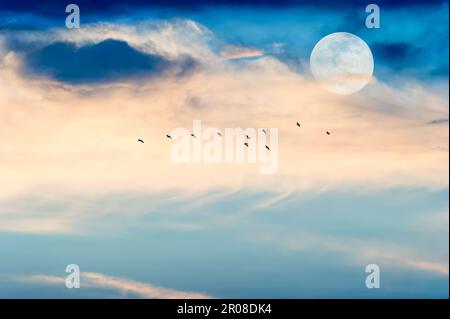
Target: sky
78	188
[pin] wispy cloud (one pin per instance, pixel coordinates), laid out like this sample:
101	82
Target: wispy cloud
438	121
124	286
239	52
34	225
361	251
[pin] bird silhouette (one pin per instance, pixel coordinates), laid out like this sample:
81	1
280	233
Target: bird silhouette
328	133
264	131
193	135
220	134
248	137
268	148
139	140
168	136
298	124
246	144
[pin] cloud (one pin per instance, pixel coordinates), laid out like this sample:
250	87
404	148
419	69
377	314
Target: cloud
238	52
105	52
106	61
66	142
398	258
34	225
361	251
438	122
90	280
46	279
169	39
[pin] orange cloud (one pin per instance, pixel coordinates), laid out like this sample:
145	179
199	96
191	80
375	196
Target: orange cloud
82	139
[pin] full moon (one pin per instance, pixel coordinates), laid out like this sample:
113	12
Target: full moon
342	63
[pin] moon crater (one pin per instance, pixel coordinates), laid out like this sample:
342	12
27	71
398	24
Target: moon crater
342	63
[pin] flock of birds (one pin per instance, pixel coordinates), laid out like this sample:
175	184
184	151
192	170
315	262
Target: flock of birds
220	134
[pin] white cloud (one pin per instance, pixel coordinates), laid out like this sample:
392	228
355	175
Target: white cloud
170	38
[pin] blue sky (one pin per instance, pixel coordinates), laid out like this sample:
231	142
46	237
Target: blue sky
81	191
247	259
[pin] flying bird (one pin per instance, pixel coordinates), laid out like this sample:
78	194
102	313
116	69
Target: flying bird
264	131
248	137
139	140
193	135
298	124
220	134
267	147
246	144
168	136
328	133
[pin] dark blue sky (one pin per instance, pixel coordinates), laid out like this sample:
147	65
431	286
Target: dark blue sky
107	7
